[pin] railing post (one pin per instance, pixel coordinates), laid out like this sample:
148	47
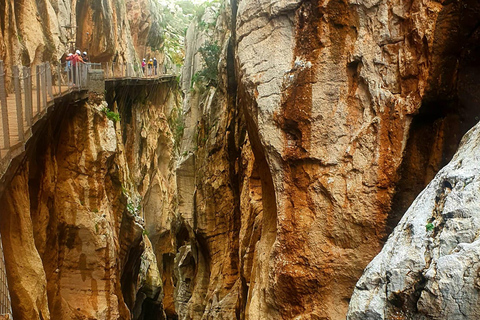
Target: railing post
77	75
38	88
6	306
69	76
49	80
28	96
86	67
3	100
44	85
106	72
59	77
18	99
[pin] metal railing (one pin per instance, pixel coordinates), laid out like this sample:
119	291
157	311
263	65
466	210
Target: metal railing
115	70
26	92
5	303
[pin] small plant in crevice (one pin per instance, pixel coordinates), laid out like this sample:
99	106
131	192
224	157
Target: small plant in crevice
145	232
133	209
429	226
177	126
111	115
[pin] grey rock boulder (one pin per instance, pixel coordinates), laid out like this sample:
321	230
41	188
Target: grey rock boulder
429	267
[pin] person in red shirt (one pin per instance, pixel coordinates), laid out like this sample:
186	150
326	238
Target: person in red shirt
74	59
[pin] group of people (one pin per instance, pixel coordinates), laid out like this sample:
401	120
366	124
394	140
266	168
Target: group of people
72	60
151	67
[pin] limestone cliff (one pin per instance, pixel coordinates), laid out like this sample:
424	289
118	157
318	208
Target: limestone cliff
74	216
307	129
340	113
428	269
32	32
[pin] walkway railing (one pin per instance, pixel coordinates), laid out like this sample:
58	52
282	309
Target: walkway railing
27	92
5	303
115	70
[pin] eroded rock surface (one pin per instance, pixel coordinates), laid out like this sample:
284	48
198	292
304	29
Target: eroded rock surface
428	267
74	216
32	32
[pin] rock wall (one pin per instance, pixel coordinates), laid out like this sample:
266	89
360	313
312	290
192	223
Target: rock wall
341	112
74	216
295	156
428	267
32	31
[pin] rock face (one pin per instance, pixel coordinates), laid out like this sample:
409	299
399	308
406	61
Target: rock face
338	113
73	217
36	31
428	267
307	128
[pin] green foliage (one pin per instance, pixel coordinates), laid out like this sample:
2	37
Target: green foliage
145	232
209	75
176	16
111	115
131	207
177	126
429	226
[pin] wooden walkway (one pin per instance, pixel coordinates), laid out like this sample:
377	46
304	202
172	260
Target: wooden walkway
26	97
14	117
5	304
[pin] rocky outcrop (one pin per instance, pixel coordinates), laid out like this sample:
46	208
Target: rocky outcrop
428	267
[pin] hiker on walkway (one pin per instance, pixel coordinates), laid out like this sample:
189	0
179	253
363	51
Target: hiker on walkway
155	65
150	67
68	66
85	57
143	66
76	58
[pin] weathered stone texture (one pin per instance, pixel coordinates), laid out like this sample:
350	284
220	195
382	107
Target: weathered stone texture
428	267
330	89
74	217
32	32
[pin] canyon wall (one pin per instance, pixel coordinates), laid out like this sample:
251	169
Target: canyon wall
341	113
32	31
73	218
306	130
428	269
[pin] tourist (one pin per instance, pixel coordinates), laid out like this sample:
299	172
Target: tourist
69	63
85	57
76	58
150	67
155	65
143	66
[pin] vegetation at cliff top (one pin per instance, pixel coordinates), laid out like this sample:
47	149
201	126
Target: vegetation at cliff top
176	17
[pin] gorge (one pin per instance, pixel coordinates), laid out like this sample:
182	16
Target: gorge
291	170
